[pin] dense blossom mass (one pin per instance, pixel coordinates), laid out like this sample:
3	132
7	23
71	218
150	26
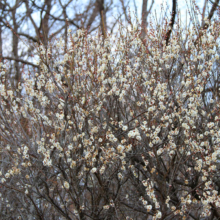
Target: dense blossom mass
115	128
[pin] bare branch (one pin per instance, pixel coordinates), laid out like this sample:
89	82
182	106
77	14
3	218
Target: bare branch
167	38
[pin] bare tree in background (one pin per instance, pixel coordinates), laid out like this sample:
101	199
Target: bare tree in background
146	9
28	23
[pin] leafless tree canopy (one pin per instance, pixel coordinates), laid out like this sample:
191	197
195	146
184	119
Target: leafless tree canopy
27	23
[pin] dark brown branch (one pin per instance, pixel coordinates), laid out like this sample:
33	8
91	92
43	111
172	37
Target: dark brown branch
20	60
102	16
171	22
214	7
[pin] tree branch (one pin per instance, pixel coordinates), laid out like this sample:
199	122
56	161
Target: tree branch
171	22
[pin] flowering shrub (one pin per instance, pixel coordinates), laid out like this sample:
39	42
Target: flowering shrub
115	128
